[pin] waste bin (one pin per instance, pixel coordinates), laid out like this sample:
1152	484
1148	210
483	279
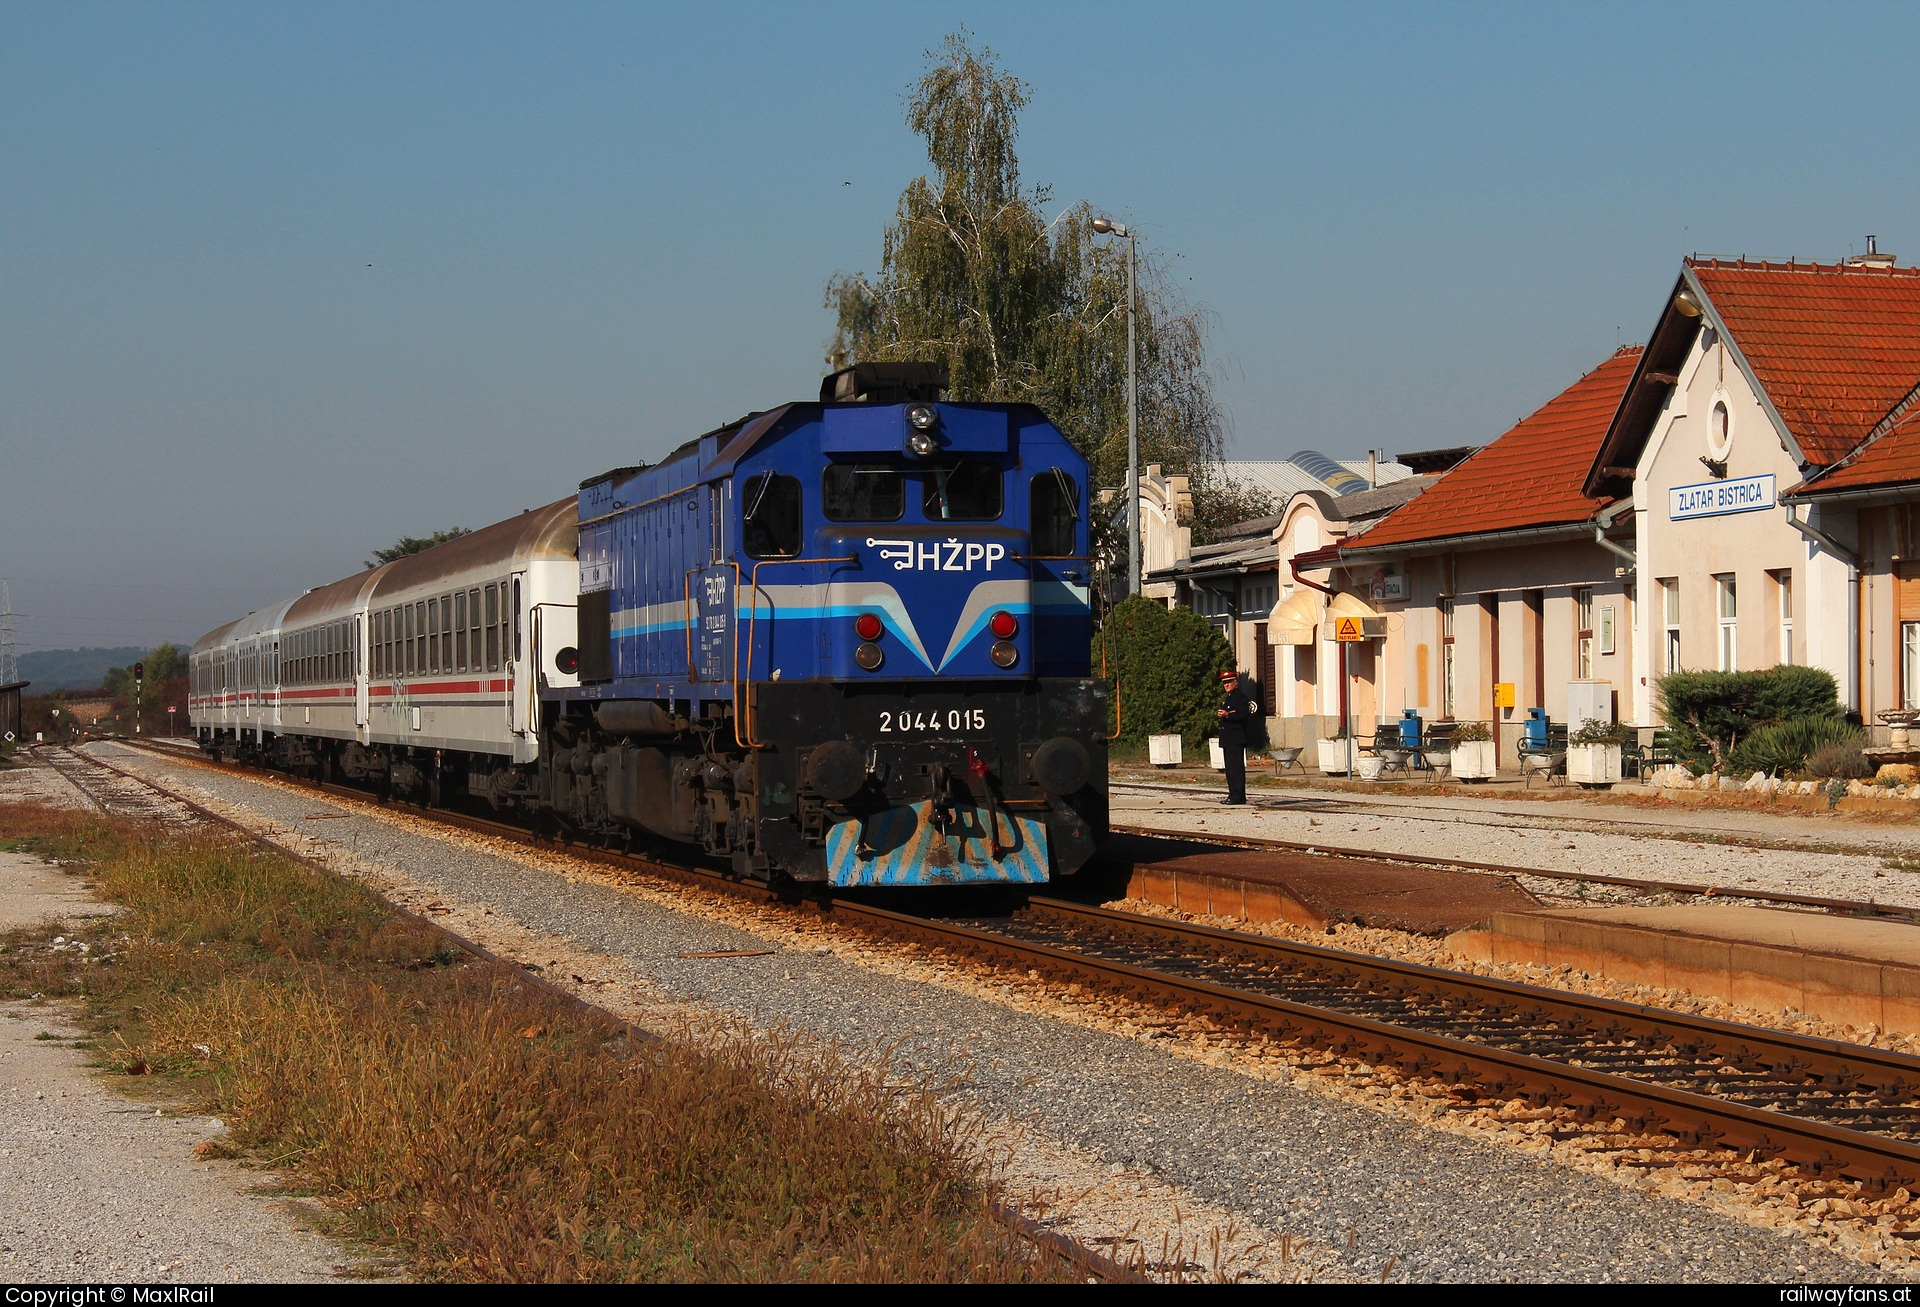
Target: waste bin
1533	732
1410	728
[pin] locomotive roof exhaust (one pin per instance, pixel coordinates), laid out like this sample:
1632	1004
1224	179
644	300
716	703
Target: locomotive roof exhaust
885	383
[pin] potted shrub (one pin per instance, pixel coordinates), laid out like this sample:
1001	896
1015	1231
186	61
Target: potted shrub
1593	753
1333	755
1472	756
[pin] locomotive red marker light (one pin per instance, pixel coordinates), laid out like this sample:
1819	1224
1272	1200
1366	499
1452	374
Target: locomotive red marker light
867	626
1003	626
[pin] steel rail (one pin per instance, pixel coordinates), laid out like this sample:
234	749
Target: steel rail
1097	1264
1474	1067
1694	1119
1837	907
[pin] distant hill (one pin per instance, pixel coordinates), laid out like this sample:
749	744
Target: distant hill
72	669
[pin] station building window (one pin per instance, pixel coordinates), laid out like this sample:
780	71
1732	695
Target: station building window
1910	665
1726	601
1670	614
1583	626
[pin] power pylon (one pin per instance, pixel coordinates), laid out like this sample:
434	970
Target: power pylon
9	661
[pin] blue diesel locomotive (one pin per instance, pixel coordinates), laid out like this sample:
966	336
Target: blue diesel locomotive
843	641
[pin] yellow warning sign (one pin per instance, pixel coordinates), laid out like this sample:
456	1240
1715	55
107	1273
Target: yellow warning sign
1346	629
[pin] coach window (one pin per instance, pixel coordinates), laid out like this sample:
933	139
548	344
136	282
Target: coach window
460	631
473	630
492	627
963	492
435	628
446	633
420	637
1055	508
859	493
772	516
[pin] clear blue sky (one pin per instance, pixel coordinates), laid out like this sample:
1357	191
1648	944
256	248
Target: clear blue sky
283	282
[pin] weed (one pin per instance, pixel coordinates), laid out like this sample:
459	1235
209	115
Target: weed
477	1128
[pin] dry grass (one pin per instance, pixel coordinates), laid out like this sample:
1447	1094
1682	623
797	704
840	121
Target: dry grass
477	1127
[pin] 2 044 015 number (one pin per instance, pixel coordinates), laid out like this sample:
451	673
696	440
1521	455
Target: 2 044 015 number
909	720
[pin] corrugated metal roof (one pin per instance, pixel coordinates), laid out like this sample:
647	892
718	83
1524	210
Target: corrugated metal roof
1283	479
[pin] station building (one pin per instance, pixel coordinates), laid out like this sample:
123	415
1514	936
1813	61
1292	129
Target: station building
1761	441
1506	585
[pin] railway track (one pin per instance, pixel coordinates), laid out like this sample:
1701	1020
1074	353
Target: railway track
117	791
1688	1089
1832	906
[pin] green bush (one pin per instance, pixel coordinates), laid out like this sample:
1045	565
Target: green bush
1785	746
1785	692
1709	713
1165	665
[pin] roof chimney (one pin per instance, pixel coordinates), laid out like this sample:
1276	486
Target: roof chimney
1873	258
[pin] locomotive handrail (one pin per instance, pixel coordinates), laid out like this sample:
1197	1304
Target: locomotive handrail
753	616
693	673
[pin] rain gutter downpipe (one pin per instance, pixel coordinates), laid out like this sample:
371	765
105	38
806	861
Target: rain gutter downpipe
1602	521
1852	560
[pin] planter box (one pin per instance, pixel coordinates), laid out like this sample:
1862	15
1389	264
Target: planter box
1472	761
1163	750
1215	754
1368	769
1593	764
1333	757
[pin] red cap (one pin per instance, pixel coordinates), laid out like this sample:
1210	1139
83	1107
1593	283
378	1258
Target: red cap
1229	676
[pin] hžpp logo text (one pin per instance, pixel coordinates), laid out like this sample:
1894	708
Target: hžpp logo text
938	555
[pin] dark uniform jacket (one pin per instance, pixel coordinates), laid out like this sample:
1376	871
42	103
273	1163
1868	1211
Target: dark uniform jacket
1241	711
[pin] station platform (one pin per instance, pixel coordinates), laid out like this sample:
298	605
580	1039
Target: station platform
1303	889
1841	969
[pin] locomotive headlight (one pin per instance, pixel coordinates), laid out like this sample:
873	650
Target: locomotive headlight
1003	654
869	657
923	417
923	444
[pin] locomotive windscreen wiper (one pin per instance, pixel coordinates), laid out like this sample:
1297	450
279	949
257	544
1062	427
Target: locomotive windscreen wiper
940	475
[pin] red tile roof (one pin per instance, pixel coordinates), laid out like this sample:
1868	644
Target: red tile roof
1530	477
1834	347
1892	459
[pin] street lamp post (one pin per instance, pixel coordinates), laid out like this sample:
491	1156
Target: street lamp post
1107	226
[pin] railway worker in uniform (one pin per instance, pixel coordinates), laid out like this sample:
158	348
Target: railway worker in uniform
1235	715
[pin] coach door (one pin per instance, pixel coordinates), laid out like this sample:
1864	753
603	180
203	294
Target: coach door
520	685
360	677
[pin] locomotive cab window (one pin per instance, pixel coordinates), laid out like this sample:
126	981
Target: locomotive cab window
963	492
854	492
1055	505
772	516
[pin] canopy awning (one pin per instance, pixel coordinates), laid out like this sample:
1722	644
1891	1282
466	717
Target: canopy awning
1294	618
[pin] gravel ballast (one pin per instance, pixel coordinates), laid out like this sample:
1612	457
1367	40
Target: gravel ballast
1732	855
1380	1193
